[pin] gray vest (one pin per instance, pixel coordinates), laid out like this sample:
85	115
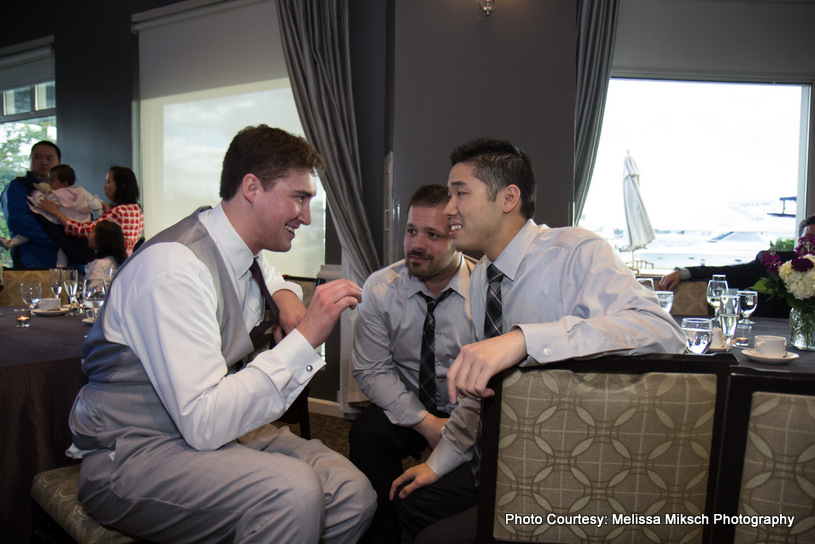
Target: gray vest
119	399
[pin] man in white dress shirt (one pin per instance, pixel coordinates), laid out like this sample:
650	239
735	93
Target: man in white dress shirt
172	427
408	412
564	294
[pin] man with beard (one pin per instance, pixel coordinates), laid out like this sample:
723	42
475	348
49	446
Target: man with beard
411	324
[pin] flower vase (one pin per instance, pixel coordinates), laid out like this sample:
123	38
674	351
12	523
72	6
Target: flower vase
802	328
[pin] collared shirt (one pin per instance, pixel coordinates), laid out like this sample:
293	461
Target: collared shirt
163	306
572	297
388	339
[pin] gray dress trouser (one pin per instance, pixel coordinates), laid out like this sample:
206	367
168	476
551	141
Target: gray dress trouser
271	487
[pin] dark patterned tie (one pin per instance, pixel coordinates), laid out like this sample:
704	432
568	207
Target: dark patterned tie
493	317
427	364
270	304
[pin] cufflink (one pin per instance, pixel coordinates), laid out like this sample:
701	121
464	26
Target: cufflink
309	368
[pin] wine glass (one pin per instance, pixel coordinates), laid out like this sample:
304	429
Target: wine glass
729	315
31	293
715	287
55	281
748	300
648	283
70	281
698	331
94	293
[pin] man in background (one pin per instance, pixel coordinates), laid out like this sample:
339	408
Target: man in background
413	320
41	249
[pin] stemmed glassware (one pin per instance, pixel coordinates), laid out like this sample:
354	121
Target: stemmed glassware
715	288
666	300
31	293
699	331
94	293
648	283
729	315
55	281
70	281
748	300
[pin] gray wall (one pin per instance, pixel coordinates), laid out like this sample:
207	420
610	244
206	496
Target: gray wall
459	75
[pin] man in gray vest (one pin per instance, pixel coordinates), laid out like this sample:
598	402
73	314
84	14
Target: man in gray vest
172	429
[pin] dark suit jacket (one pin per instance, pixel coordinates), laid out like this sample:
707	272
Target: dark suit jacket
744	276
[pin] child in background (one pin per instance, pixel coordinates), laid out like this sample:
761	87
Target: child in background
108	241
73	200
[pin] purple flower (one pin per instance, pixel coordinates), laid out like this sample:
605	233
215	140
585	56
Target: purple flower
771	260
806	245
801	264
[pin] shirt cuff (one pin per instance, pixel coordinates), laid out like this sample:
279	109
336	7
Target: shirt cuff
290	365
684	274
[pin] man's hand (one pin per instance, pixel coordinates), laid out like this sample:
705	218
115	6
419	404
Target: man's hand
477	363
669	281
418	476
291	314
430	429
328	302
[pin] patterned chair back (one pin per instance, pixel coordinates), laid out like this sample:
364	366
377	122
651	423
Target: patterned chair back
600	450
768	458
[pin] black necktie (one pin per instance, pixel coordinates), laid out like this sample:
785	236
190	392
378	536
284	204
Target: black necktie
270	304
427	364
493	317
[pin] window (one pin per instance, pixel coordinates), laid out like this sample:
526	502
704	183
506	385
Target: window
720	167
184	138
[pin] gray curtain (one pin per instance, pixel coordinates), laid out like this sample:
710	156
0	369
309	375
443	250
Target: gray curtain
315	43
596	29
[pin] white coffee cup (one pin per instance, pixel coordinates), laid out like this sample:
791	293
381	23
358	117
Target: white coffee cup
770	346
716	338
48	304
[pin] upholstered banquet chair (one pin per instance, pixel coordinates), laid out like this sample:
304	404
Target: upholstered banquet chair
626	436
768	457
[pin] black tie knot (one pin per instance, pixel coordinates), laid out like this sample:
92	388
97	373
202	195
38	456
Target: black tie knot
433	302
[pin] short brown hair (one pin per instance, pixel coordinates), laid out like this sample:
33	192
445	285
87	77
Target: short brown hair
432	194
268	153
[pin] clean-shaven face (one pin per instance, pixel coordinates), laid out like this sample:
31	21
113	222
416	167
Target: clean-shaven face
474	219
43	159
429	250
281	208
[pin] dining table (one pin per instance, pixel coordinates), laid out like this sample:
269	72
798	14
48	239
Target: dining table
40	375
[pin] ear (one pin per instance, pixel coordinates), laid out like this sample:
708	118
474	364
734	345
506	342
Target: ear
250	187
512	198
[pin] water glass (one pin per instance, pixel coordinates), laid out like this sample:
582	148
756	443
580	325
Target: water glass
666	300
94	293
748	300
698	331
729	315
55	281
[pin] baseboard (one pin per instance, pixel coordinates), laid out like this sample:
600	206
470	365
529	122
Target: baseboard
327	408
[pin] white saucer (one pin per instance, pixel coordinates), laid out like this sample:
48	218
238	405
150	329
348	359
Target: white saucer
757	357
91	321
55	311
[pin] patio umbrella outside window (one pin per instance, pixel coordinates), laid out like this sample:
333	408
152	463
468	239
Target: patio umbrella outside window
638	229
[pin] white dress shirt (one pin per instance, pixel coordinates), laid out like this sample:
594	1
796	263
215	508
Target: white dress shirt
388	339
163	306
572	297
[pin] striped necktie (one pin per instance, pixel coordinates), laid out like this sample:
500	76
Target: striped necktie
493	318
427	364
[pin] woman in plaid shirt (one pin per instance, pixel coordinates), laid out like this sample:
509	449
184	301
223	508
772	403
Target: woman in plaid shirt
122	189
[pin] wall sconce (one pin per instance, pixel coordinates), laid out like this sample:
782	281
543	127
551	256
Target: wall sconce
487	6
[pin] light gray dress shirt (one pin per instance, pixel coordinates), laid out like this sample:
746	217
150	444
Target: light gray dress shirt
571	296
388	339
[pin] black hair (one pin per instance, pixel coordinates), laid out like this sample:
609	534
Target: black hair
110	241
127	188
